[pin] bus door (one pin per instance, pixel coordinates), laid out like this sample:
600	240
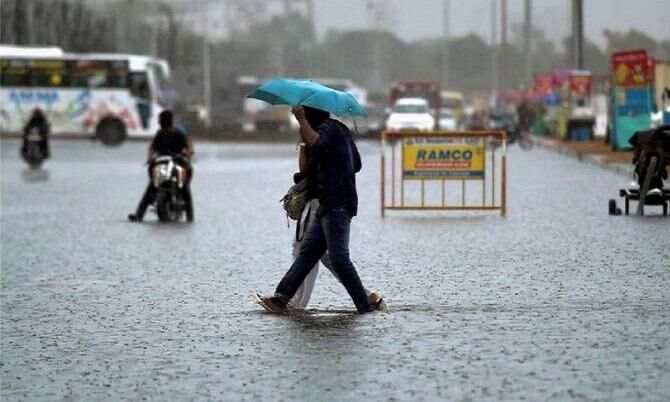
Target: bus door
140	89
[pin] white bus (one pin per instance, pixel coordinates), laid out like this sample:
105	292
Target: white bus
109	96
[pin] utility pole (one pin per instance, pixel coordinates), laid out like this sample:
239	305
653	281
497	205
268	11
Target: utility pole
578	34
503	22
527	44
206	67
309	5
374	19
29	23
172	33
444	60
494	51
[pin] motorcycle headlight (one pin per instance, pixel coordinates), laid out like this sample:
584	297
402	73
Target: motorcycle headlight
163	171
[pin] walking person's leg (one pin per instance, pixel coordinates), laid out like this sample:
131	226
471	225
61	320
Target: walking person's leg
312	248
374	297
304	292
188	202
336	226
148	197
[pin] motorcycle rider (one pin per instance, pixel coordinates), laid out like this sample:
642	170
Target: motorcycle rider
38	121
172	142
525	116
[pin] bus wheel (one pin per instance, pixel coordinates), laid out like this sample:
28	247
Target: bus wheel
111	131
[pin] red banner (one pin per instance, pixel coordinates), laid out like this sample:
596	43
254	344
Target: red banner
580	84
632	68
543	86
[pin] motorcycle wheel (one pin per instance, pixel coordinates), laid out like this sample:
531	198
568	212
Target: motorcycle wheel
33	155
163	207
525	142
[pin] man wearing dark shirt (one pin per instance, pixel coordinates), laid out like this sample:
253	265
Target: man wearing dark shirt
38	122
172	142
336	162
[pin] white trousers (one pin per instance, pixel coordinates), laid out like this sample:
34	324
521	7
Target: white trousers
302	296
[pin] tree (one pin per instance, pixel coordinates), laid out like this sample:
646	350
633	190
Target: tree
633	39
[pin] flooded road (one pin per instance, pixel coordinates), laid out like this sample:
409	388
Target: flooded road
558	301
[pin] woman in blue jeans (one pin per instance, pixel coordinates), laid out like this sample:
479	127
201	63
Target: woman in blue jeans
308	216
336	162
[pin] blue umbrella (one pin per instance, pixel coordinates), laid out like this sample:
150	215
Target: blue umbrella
284	91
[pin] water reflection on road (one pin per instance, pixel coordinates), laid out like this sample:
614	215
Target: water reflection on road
556	301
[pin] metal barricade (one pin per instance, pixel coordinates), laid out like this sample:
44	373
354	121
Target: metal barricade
437	159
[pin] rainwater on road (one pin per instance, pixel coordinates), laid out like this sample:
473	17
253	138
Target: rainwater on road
557	301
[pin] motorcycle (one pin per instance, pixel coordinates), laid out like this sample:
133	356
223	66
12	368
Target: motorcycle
508	124
32	152
169	179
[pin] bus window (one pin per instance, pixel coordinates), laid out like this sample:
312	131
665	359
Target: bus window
88	74
47	73
118	74
99	74
14	73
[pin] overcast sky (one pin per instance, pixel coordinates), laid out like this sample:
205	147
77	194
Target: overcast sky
417	19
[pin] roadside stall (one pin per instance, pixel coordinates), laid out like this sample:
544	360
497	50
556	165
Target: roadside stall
560	116
631	96
547	101
576	106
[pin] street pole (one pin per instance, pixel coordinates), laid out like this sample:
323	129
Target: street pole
206	68
374	19
28	29
578	34
494	52
444	65
309	5
527	44
503	22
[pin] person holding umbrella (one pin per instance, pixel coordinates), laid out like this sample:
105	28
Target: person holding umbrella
307	171
337	161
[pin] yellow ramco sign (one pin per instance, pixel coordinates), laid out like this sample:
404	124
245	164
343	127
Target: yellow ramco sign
443	161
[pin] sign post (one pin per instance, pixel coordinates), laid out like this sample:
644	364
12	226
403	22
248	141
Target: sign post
433	159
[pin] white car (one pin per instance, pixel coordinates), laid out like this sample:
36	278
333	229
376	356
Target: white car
410	114
447	120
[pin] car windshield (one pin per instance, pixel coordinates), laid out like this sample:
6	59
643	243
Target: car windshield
446	114
410	109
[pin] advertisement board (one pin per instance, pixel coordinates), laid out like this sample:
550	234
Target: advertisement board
632	68
443	159
580	83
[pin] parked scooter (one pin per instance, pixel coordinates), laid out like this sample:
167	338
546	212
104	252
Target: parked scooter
169	179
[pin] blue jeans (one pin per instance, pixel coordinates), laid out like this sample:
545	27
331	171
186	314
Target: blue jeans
330	233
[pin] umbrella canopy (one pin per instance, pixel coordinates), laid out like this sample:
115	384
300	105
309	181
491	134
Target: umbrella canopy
284	91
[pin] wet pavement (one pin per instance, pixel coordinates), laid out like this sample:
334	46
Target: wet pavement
558	301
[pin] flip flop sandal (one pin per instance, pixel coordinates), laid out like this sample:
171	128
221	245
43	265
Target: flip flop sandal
381	305
270	309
